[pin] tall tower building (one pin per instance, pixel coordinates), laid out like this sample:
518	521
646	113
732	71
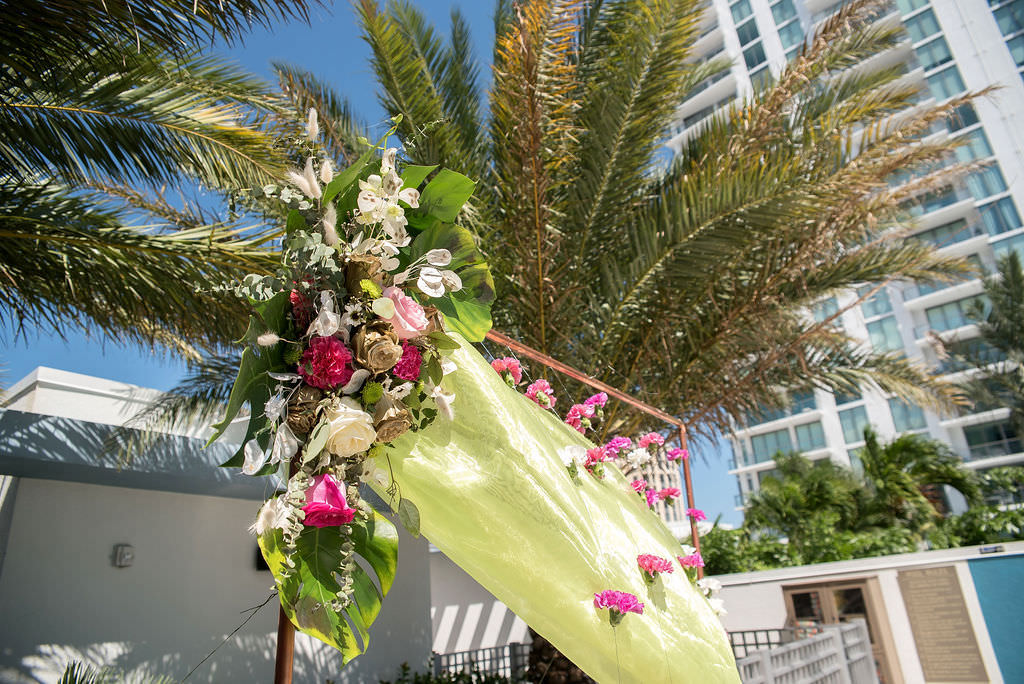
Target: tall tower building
952	46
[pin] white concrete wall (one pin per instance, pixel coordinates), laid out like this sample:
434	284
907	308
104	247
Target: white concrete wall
194	573
465	615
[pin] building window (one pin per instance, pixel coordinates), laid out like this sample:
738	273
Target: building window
999	216
767	445
741	10
764	474
825	309
1016	46
992	439
953	314
908	6
1010	17
921	26
844	398
885	335
986	182
853	421
906	417
810	436
934	54
963	117
929	287
802	401
875	305
964	354
948	233
754	55
1013	244
747	32
973	145
946	83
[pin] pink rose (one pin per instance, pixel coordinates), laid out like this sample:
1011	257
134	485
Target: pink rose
409	320
325	503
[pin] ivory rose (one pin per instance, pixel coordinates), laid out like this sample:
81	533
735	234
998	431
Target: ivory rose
350	428
325	503
409	320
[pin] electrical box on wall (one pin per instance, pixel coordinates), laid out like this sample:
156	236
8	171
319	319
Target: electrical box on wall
124	555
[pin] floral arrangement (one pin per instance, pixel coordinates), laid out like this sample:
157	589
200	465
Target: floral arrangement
584	418
346	352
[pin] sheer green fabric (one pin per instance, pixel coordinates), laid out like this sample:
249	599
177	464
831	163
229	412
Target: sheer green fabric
494	496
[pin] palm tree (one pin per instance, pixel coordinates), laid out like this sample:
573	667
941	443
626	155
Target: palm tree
904	477
803	499
684	284
1001	349
103	105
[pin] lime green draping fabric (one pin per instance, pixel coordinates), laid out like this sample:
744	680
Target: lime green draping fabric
495	498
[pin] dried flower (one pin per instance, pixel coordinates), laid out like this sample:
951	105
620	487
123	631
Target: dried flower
391	419
376	346
408	367
302	409
326	363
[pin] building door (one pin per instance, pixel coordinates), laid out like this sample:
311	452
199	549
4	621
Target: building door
835	602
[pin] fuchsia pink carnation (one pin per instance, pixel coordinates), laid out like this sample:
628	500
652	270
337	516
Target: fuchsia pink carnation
650	438
325	503
639	486
408	367
677	454
617	444
694	560
599	399
652	564
696	514
652	497
618	604
509	366
669	494
540	392
326	363
579	416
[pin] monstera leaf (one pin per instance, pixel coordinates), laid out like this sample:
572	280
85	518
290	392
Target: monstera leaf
252	386
307	593
467	311
494	496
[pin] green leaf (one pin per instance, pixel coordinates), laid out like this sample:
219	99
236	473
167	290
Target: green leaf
455	239
295	221
409	515
346	178
442	341
414	175
317	441
434	371
444	195
307	594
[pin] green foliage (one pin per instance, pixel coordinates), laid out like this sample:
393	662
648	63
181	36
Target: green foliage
80	673
308	593
407	676
686	281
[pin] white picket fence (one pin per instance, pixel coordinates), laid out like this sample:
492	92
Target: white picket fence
841	654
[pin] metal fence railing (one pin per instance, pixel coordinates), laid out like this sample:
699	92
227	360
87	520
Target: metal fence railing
840	654
746	642
508	661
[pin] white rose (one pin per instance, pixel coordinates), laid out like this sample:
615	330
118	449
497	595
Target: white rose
350	428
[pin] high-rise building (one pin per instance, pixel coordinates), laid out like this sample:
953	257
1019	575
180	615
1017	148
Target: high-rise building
951	47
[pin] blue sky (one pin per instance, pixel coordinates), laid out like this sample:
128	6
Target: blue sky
331	48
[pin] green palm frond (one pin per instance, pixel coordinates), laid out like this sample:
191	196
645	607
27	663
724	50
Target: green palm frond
67	262
197	400
152	120
339	127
